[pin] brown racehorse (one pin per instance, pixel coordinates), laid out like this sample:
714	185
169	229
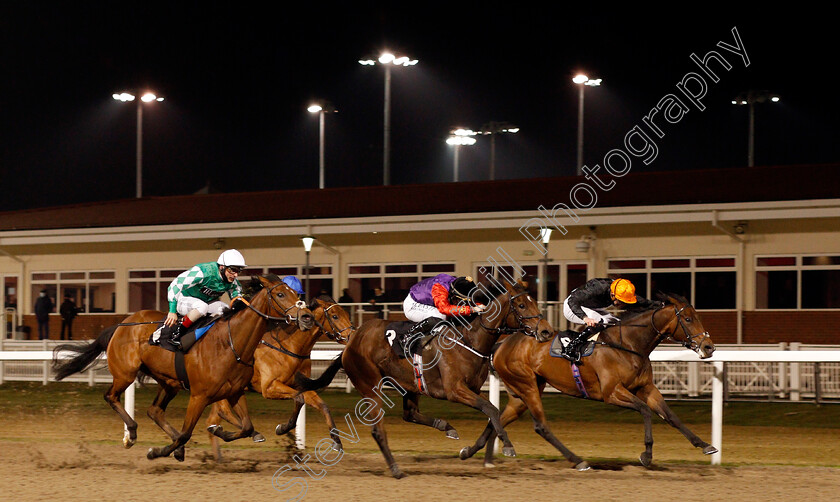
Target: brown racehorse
459	369
278	357
618	372
219	366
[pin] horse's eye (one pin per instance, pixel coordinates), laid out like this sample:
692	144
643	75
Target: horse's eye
280	295
687	319
521	305
335	317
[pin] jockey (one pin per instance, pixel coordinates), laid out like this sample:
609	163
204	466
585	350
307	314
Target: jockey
586	304
428	302
195	292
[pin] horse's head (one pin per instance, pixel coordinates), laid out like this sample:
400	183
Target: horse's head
685	326
333	320
285	302
524	313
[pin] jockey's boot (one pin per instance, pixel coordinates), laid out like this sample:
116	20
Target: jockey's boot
572	350
175	337
422	328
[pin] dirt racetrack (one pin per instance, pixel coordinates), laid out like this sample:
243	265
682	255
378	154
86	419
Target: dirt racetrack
72	452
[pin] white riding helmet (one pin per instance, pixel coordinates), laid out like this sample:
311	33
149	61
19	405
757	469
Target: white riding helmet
231	258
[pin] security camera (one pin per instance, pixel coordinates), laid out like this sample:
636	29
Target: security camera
582	246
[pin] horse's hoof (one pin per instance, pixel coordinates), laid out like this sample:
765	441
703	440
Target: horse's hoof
151	454
336	446
397	473
583	466
281	429
710	450
258	438
508	451
212	429
489	465
464	453
179	454
127	441
645	459
452	434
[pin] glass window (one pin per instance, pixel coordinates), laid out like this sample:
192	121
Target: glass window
91	291
821	289
714	290
775	289
707	282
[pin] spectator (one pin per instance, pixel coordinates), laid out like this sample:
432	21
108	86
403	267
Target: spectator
43	307
68	311
345	296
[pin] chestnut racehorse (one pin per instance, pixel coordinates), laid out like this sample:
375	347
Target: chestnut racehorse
278	357
458	370
218	367
618	372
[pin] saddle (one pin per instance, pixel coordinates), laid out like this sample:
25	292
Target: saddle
561	340
162	335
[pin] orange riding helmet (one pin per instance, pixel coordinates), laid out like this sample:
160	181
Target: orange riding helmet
623	290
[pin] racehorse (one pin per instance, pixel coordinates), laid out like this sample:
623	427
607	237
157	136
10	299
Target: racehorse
617	372
460	365
218	367
278	357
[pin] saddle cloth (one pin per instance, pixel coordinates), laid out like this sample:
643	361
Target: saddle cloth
396	332
162	335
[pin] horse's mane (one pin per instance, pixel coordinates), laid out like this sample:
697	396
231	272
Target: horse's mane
249	290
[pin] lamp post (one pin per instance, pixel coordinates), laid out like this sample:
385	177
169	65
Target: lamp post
582	80
145	98
321	109
457	139
494	128
751	98
307	246
545	236
387	60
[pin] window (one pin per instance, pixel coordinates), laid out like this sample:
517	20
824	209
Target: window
91	291
561	278
792	282
708	283
390	282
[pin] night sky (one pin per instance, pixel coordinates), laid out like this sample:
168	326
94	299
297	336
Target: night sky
237	81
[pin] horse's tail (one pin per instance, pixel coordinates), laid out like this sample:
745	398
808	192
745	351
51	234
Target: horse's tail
303	383
87	354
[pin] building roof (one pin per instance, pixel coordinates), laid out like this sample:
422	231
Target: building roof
757	184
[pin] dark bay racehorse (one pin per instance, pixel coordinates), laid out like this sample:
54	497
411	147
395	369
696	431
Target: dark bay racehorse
461	364
618	372
278	357
219	366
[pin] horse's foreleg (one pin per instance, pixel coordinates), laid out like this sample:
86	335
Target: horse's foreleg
411	413
514	409
112	397
315	401
656	402
464	395
195	408
626	399
238	417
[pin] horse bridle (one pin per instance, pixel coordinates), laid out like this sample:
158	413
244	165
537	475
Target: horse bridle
690	342
335	333
279	308
523	328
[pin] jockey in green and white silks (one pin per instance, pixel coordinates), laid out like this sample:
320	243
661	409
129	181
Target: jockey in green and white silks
195	292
